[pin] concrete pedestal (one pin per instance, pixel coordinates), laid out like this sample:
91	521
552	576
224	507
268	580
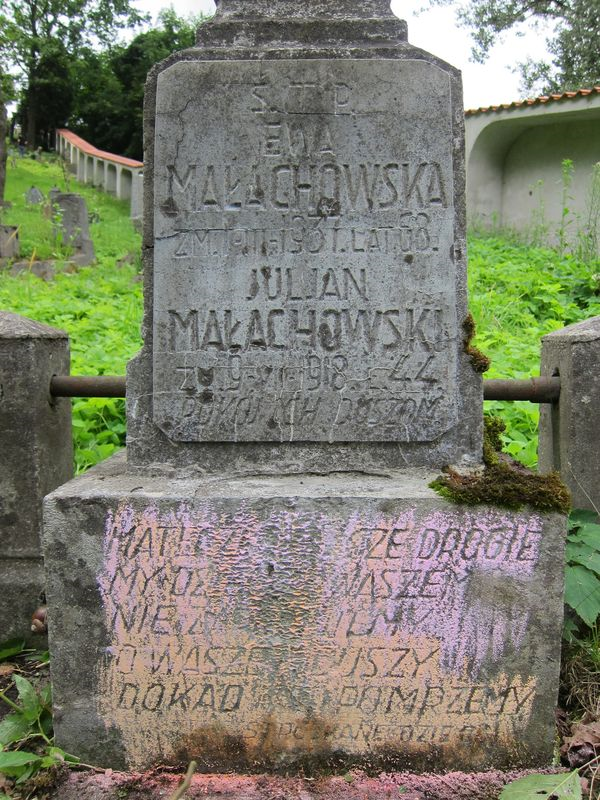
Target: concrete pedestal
268	622
36	457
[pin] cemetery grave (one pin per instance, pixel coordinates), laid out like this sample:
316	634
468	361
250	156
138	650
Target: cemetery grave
312	333
266	581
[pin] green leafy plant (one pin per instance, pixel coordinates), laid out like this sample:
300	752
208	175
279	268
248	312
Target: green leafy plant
29	722
582	574
26	736
544	787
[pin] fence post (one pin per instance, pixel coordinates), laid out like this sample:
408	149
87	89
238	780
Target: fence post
36	457
570	429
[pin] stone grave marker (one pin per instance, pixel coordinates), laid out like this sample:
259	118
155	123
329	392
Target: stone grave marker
9	241
72	226
34	196
268	581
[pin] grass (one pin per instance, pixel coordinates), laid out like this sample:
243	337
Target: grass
99	306
518	293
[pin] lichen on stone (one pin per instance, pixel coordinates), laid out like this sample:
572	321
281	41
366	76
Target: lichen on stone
503	481
479	361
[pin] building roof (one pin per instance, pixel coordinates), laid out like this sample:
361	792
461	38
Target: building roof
537	101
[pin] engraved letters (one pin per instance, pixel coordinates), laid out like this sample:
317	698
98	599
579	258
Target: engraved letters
318	231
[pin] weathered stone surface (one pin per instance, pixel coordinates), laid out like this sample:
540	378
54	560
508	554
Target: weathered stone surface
305	280
9	241
35	441
569	436
270	621
72	226
34	196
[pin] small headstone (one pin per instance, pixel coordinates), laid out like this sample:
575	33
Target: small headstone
9	241
34	196
72	227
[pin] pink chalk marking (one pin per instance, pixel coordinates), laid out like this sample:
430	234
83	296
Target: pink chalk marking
186	576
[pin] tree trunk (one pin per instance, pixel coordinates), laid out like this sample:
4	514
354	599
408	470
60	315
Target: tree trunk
31	124
3	148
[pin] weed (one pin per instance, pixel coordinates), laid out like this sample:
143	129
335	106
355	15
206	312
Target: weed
582	577
588	237
26	739
567	170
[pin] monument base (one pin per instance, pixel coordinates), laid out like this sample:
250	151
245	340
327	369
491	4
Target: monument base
300	622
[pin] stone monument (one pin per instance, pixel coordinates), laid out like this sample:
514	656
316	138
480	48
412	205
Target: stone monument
72	226
268	581
34	196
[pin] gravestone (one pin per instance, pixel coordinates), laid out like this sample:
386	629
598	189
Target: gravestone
9	241
268	581
71	225
34	196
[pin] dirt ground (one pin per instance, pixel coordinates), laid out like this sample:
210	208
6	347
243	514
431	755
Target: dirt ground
352	786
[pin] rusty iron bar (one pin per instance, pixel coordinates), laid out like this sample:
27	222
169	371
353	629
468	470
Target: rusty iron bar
87	386
536	390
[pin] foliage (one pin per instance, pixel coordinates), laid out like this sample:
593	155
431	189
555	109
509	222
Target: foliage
544	787
49	88
518	293
575	47
574	41
31	30
109	88
582	577
29	724
100	306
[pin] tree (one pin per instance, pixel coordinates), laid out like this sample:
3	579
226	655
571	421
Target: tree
33	28
6	95
574	43
109	95
49	94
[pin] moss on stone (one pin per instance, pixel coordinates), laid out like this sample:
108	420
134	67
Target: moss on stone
479	361
503	481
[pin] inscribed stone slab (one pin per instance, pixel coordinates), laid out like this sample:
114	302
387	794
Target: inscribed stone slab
264	621
305	286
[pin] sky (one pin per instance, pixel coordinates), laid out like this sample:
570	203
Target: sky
436	30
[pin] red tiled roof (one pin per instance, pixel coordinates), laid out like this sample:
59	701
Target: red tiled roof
537	101
90	150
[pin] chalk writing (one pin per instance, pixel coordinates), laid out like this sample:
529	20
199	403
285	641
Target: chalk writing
224	611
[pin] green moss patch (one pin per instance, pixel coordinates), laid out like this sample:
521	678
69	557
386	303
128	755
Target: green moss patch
479	361
503	481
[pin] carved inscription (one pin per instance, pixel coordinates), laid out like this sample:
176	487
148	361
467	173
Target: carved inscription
304	247
379	624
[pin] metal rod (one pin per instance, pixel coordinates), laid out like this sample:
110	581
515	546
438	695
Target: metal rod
87	386
536	390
